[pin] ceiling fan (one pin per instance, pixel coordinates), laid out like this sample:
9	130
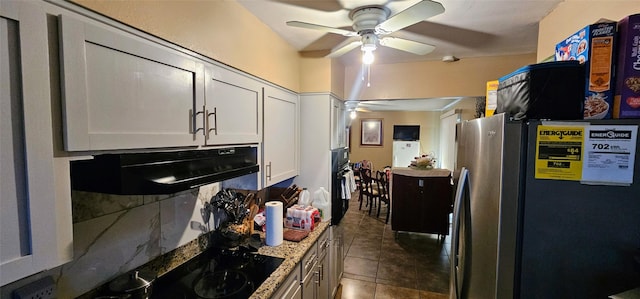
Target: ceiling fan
372	25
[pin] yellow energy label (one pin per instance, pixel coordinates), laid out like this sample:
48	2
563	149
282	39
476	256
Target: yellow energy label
559	152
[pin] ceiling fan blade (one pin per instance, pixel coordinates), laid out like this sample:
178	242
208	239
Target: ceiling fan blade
344	47
414	14
322	28
406	45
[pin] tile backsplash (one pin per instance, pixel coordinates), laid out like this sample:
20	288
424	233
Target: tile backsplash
114	234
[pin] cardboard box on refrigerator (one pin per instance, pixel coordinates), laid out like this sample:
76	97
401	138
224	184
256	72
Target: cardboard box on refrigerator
492	98
594	46
627	94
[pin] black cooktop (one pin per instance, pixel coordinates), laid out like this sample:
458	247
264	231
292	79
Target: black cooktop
217	273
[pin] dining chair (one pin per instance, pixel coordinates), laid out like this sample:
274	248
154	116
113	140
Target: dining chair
356	172
369	189
383	193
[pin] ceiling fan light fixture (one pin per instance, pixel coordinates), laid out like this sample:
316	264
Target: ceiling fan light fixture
369	41
367	56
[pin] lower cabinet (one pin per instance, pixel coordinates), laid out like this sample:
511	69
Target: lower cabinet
336	258
311	279
309	273
291	288
323	268
309	286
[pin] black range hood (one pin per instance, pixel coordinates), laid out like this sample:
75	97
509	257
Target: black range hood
161	172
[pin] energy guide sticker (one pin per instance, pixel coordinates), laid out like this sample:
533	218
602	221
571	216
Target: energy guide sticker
559	152
609	154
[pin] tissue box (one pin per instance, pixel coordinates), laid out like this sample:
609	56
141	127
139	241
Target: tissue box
299	217
594	46
627	98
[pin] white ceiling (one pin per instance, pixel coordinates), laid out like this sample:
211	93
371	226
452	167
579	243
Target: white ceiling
433	104
467	28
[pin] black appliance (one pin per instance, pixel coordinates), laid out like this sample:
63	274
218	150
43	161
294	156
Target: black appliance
339	167
161	172
217	273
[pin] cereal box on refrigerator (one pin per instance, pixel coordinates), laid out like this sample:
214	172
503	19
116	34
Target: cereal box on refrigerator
594	46
492	98
627	98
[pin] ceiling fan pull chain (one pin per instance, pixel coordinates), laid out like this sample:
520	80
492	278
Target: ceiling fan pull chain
368	75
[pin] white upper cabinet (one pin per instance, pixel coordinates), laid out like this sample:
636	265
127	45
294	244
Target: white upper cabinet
35	221
338	124
121	91
233	107
281	131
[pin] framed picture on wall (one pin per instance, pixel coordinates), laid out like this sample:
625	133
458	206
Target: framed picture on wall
371	132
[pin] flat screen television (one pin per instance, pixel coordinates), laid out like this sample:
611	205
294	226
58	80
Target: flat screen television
406	132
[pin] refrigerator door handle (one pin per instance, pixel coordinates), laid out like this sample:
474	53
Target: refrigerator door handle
457	262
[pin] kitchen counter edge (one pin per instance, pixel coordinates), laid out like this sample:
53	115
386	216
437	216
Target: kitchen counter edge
292	252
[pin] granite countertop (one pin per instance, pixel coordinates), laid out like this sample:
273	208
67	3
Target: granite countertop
416	172
292	252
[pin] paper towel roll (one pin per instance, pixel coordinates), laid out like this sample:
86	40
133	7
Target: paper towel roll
274	223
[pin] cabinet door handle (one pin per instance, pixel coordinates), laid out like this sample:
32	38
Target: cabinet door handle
268	170
215	122
310	261
317	276
193	123
324	244
321	270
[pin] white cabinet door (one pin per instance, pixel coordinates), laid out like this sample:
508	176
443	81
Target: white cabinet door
338	124
291	288
281	131
324	270
315	141
310	286
309	273
35	224
336	258
323	279
121	91
233	111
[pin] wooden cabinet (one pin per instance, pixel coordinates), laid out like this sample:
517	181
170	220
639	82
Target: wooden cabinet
35	211
233	107
121	91
281	135
421	202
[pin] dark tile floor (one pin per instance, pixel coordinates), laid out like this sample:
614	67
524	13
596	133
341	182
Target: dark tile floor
380	263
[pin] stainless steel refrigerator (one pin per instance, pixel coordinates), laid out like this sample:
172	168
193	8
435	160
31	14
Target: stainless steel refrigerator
515	236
